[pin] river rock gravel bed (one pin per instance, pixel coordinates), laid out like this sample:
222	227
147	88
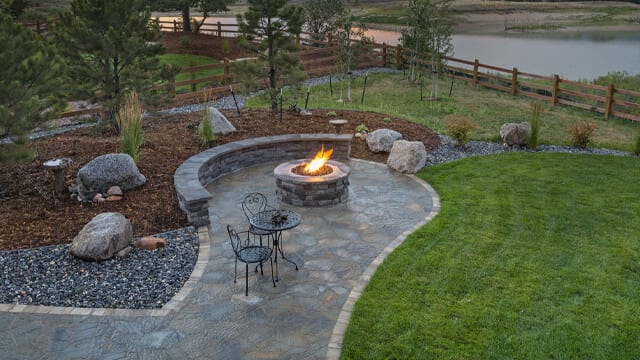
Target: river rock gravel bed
142	279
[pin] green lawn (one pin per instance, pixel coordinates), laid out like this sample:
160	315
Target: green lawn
185	61
394	95
533	256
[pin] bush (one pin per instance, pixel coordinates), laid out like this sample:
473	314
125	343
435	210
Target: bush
205	130
129	120
636	148
534	122
184	41
581	133
459	128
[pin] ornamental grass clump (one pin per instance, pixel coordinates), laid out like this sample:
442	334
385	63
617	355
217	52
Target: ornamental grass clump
459	127
534	123
129	121
581	133
205	130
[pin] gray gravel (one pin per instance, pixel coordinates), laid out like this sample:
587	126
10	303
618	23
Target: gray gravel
449	151
142	280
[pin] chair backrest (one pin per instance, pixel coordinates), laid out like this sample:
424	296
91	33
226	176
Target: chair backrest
253	204
236	242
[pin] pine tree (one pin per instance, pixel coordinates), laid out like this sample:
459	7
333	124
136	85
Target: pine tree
269	30
206	7
31	76
110	50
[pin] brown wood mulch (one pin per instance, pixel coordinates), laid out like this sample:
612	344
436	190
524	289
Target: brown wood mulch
32	214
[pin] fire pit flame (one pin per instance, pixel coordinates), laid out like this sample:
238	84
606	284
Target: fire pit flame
318	161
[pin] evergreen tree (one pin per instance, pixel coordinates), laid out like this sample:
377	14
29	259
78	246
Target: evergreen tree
30	77
206	7
429	33
15	8
110	50
269	29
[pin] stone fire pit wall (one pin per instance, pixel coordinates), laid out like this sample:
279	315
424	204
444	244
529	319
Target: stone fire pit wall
193	175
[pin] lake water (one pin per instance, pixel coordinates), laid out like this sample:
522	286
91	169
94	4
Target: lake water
571	55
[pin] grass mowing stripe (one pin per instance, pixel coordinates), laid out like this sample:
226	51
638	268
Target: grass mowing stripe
532	256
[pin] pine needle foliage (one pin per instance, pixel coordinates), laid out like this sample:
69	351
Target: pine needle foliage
268	32
31	76
112	49
129	120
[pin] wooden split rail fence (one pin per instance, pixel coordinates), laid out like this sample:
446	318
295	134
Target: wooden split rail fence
319	58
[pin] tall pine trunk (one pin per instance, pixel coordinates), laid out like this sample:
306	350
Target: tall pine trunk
186	19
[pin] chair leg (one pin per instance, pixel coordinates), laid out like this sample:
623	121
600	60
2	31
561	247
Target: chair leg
246	283
261	272
235	272
272	280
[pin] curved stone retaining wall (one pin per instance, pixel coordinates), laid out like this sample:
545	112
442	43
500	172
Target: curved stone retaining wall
198	171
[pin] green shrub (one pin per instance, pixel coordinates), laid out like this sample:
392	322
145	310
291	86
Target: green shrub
331	113
636	148
362	128
129	120
581	133
185	41
205	130
459	128
534	122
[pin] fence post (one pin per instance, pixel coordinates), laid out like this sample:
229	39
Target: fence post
219	29
610	92
330	40
476	63
514	82
227	72
399	56
175	26
38	27
555	87
384	54
297	39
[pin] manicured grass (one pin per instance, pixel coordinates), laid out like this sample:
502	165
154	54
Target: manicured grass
185	61
533	256
394	95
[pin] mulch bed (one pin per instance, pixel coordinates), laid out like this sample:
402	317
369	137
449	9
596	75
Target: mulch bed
32	214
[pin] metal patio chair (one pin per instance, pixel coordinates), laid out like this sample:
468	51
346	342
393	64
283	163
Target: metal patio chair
248	252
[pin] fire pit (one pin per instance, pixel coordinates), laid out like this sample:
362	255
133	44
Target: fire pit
313	182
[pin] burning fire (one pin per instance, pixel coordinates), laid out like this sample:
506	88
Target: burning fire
318	161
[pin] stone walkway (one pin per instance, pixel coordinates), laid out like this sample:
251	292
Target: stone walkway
337	249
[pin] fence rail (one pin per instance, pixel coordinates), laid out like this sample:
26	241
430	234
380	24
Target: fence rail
319	58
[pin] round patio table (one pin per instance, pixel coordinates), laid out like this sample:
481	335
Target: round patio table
276	221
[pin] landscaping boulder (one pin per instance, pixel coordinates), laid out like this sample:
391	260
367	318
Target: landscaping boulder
102	237
219	123
407	156
515	133
382	140
106	171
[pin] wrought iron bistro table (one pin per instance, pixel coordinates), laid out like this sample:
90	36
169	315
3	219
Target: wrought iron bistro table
276	221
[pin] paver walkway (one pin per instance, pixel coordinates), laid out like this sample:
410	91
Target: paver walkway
337	248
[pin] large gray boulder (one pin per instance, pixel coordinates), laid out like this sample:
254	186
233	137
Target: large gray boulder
220	124
105	171
407	156
382	140
515	133
102	237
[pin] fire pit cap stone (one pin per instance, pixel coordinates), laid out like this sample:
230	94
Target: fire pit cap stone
283	171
